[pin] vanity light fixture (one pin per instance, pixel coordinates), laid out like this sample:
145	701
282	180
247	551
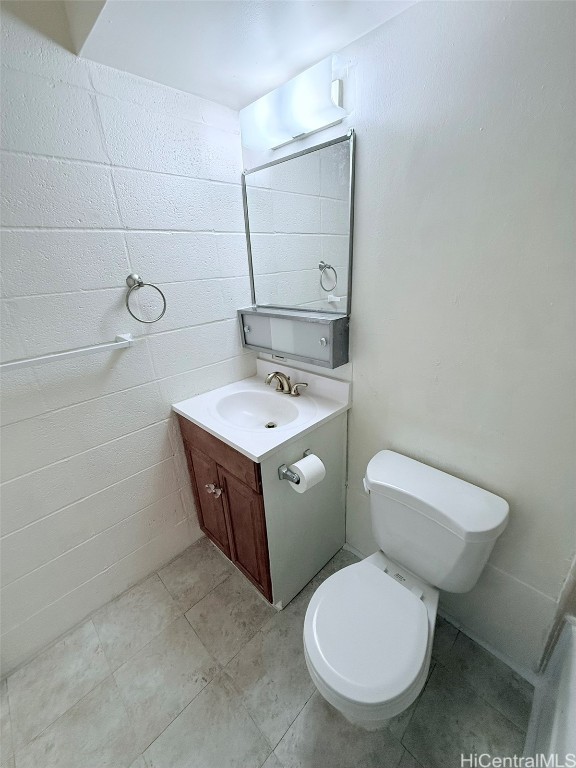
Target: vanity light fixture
308	103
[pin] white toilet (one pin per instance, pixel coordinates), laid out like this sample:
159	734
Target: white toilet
369	628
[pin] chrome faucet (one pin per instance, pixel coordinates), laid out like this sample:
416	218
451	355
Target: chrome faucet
283	384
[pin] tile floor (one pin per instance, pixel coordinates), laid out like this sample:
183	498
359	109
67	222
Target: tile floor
192	669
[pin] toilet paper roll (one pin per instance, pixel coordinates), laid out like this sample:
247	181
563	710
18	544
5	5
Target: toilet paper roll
311	471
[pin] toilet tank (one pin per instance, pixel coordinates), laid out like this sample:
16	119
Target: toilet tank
437	526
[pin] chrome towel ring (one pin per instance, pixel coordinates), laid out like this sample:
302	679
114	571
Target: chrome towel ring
323	267
134	282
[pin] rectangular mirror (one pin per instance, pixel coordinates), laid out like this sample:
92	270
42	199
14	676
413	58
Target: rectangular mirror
299	223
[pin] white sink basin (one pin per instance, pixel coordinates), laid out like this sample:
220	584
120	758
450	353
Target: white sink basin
242	414
257	410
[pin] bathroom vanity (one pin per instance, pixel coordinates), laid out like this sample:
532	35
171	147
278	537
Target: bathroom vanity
241	440
227	488
278	538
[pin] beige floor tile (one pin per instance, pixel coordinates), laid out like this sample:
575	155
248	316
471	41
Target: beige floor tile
509	693
229	616
270	672
163	678
444	638
214	731
164	687
321	737
5	725
341	559
51	683
94	733
407	761
272	762
296	608
452	719
398	725
195	573
131	621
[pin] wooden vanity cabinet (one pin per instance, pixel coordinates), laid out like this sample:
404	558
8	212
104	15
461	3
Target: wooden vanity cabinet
227	488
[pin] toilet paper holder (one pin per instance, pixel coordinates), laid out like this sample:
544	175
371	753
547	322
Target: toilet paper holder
284	473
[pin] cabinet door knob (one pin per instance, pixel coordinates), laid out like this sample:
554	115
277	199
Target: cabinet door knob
323	341
211	488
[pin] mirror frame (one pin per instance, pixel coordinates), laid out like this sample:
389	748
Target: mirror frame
350	137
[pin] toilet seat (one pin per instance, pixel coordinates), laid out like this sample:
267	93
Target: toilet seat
366	636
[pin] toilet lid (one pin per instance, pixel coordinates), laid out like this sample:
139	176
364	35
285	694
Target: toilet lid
365	634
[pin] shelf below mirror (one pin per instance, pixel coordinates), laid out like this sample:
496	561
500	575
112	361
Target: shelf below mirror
312	337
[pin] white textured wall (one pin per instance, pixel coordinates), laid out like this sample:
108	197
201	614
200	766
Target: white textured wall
463	310
104	174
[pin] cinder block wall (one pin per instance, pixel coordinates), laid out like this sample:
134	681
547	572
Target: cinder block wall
104	174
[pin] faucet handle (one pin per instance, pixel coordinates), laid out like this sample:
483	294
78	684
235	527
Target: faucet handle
294	391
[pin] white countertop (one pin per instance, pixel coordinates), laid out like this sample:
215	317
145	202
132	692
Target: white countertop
324	399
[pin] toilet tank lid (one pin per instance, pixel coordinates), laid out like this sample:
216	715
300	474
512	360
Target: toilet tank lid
468	511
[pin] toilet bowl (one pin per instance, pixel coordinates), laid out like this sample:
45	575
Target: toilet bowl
368	638
369	628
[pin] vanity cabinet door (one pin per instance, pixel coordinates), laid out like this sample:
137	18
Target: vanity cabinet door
209	500
247	526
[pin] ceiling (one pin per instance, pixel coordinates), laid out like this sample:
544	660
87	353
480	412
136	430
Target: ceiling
229	51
